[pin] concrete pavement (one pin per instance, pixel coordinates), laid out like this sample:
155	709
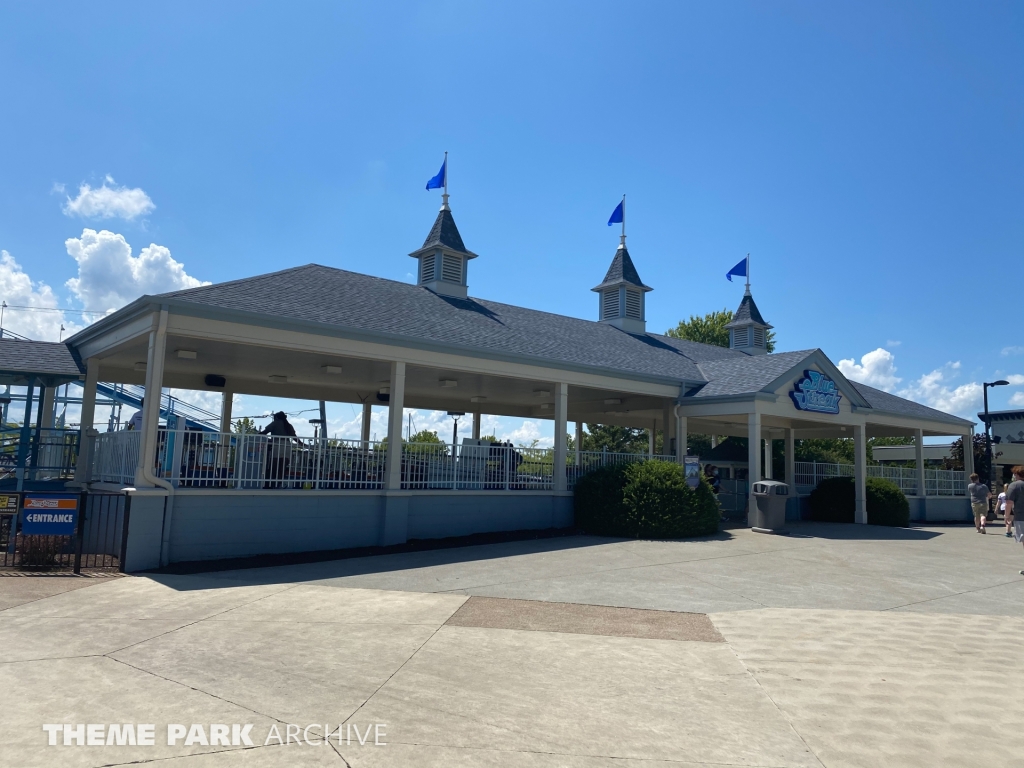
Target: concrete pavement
838	646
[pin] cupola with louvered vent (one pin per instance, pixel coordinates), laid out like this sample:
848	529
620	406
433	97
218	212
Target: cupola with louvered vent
621	294
443	259
748	332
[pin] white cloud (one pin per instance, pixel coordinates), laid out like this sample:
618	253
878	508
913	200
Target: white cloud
1015	379
1017	398
43	320
1013	351
933	389
109	276
891	343
876	369
108	201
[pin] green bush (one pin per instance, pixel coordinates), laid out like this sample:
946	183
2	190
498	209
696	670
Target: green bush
833	501
649	499
886	504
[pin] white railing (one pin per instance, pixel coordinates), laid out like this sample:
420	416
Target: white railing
190	459
591	460
115	457
938	482
441	466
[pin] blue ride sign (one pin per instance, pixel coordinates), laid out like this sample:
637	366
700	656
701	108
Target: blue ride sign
816	392
49	514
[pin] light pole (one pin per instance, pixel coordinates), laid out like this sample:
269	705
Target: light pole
455	433
988	426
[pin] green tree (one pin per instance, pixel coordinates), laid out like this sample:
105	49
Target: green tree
710	329
599	437
245	426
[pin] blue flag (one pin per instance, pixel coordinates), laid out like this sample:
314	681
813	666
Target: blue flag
616	217
740	270
438	181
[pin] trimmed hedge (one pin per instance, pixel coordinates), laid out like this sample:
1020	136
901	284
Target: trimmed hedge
833	501
649	499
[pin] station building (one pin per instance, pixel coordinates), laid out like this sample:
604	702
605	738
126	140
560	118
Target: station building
320	333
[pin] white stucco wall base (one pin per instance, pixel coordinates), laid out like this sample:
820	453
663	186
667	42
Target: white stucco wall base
212	526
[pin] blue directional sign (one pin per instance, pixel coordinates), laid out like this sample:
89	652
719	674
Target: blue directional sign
49	514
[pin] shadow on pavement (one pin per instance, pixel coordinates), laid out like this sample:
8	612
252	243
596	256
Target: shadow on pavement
853	532
413	554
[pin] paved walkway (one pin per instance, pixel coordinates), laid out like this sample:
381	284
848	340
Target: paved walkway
837	646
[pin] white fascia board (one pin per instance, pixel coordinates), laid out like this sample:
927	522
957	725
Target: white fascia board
936	426
104	343
351	345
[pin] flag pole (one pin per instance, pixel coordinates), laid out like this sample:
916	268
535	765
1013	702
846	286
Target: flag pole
623	240
748	273
444	196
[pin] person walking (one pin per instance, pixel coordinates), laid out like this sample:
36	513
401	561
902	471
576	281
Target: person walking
1001	509
1015	499
980	495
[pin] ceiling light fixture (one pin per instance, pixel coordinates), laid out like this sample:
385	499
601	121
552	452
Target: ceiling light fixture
187	354
333	369
542	393
140	366
613	401
477	399
277	379
448	383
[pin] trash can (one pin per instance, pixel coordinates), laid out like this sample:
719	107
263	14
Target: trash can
769	512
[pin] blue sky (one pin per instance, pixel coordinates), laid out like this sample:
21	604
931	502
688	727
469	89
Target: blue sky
868	155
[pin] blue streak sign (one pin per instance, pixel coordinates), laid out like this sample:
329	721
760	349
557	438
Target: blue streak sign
816	392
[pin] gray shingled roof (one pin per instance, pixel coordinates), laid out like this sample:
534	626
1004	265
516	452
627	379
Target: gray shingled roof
354	302
350	300
47	358
444	233
622	270
746	313
884	401
746	374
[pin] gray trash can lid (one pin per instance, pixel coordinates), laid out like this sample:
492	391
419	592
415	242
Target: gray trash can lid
770	488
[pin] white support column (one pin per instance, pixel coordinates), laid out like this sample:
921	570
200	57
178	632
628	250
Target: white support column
666	431
860	474
969	460
396	414
922	489
48	400
650	437
680	435
768	456
364	426
579	441
476	424
561	412
226	403
151	408
790	462
86	435
753	459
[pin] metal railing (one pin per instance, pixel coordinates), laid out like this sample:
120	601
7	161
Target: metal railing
115	457
192	459
51	453
938	482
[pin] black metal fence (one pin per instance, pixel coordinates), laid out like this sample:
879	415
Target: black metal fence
98	543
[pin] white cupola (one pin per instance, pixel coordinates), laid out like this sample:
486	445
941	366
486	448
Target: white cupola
443	260
748	332
621	295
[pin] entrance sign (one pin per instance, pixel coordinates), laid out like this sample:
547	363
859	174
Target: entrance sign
9	504
691	469
49	514
816	392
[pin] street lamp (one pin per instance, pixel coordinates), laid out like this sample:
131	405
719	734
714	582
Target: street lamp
988	426
455	434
